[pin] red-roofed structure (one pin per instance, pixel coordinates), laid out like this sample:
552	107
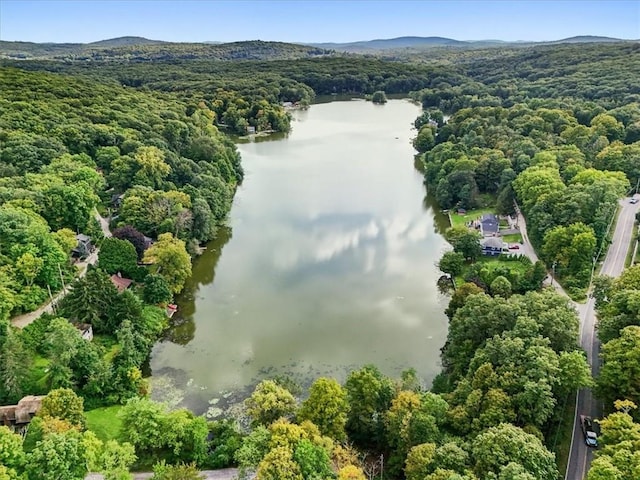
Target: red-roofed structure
120	282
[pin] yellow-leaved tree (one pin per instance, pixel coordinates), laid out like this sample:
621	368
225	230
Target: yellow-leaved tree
170	260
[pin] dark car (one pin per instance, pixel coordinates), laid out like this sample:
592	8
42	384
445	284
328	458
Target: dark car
590	436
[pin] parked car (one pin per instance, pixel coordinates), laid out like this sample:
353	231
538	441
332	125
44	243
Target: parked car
590	436
514	246
633	200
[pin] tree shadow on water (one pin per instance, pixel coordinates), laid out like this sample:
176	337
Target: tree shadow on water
182	327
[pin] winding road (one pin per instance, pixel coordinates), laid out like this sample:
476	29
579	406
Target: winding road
23	320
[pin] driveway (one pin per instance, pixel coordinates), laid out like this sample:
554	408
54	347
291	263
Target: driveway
527	249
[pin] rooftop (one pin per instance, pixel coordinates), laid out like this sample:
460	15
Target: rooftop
22	413
120	282
493	242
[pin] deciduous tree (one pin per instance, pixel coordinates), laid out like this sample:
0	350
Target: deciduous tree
254	447
501	287
115	459
505	444
65	404
369	394
162	471
351	472
127	232
419	461
15	362
156	290
279	464
59	456
379	97
465	241
269	402
118	256
619	443
425	139
620	374
312	460
12	456
452	263
170	260
326	407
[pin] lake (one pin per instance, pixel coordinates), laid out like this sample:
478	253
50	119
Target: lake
328	263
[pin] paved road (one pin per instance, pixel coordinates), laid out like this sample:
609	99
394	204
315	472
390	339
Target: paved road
580	455
223	474
22	321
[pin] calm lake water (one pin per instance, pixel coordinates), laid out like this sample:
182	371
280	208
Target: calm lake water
328	264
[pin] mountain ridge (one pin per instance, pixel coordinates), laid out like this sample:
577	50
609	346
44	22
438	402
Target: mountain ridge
128	40
422	42
135	48
124	41
140	49
589	38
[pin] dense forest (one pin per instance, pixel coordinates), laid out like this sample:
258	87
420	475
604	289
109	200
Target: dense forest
138	49
533	127
555	128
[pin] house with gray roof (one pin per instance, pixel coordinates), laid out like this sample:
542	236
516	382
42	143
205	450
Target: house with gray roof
489	225
493	246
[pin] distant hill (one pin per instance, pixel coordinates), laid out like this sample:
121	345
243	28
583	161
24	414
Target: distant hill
391	44
588	39
416	43
124	42
27	50
140	49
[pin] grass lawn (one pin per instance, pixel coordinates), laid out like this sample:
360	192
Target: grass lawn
40	364
104	422
512	238
492	263
460	220
38	375
110	345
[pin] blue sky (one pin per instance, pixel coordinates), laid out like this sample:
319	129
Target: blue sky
315	21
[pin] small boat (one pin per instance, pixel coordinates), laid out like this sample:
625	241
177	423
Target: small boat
171	309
